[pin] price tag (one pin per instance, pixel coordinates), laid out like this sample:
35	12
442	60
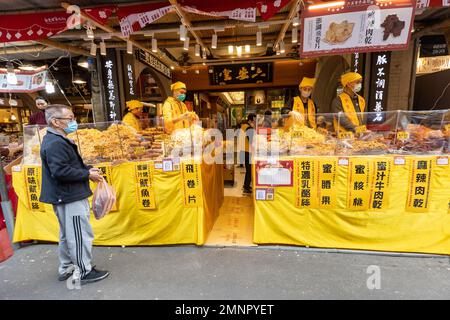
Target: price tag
158	165
176	164
260	194
167	165
447	127
346	135
343	161
400	161
270	194
139	150
361	129
264	194
297	134
442	161
402	135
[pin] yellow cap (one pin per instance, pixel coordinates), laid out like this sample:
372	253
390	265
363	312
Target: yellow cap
134	104
348	77
307	82
177	85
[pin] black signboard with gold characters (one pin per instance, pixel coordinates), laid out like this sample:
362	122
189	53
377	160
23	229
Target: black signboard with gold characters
241	74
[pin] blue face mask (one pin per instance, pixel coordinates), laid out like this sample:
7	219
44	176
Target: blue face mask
181	97
72	127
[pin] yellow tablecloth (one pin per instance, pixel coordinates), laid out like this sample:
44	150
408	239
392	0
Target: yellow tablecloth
394	229
170	223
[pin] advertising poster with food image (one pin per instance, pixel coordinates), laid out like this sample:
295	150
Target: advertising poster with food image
26	81
357	28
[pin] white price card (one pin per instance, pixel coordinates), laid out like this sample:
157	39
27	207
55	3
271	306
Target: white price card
270	194
158	165
176	164
167	165
343	161
260	194
400	161
442	161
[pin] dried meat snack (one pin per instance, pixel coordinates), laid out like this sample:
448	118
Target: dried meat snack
393	25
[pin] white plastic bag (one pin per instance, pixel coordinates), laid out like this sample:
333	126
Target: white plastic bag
103	200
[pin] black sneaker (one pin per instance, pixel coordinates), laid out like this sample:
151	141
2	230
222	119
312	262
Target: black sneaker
247	191
94	276
65	276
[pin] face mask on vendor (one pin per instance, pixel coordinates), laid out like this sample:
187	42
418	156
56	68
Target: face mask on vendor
180	94
357	87
306	92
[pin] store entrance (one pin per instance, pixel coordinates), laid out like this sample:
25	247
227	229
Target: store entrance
234	225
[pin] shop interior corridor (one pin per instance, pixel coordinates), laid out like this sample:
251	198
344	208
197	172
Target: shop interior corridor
234	226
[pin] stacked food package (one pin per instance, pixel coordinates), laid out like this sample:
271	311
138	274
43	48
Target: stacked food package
184	142
119	142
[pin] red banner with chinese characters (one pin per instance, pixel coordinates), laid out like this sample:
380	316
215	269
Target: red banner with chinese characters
37	26
432	3
357	26
244	10
133	18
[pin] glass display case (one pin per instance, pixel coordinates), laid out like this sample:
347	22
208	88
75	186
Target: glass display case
287	135
116	141
112	141
32	139
420	132
375	135
446	131
392	132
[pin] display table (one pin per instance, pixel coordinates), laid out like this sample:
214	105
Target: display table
173	221
414	215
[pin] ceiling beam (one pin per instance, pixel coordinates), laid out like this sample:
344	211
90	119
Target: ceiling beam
430	28
175	43
172	27
24	49
64	47
294	6
111	31
187	22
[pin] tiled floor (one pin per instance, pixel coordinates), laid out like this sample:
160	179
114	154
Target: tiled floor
234	226
236	190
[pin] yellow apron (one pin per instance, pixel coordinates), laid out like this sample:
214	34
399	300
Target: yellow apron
350	111
173	108
298	106
131	120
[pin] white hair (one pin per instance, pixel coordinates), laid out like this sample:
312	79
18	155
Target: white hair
55	111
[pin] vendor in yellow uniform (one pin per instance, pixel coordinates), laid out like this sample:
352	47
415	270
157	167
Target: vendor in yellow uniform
304	109
175	113
132	118
350	103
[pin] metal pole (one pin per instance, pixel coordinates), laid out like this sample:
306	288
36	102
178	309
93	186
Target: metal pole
7	208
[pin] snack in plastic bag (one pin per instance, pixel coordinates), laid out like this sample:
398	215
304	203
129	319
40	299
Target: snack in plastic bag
103	200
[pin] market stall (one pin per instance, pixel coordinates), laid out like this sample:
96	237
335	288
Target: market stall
161	199
384	187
